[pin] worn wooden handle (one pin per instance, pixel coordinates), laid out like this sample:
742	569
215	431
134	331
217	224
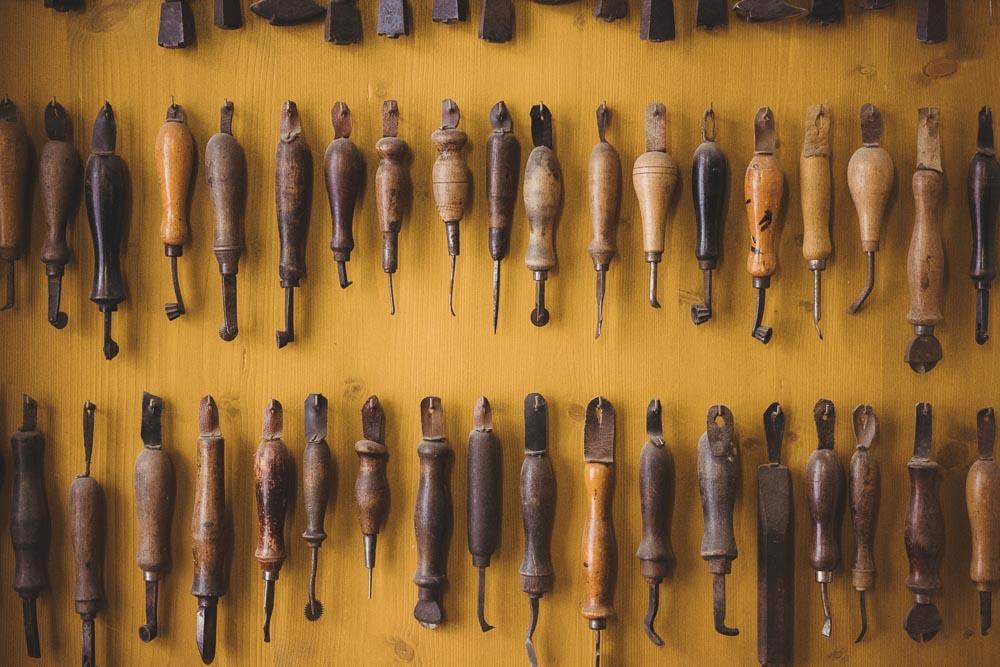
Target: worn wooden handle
450	176
208	520
924	529
717	482
13	181
604	179
371	489
345	169
925	260
503	157
654	176
86	515
293	192
226	173
543	196
982	497
656	477
105	191
538	495
870	177
600	552
154	507
29	513
815	186
483	496
59	179
709	178
984	200
272	470
391	183
824	491
432	514
775	565
175	156
316	480
865	484
764	187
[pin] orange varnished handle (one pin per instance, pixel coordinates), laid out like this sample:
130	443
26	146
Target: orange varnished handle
764	187
982	496
175	156
600	554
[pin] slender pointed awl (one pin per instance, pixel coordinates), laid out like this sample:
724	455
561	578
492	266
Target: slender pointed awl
503	159
604	178
371	490
450	183
717	478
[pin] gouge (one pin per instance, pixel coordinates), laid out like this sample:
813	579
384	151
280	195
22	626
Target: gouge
656	494
604	181
543	196
392	190
824	481
709	179
343	22
764	11
317	472
392	20
345	169
503	159
600	551
982	498
932	21
208	527
656	20
764	188
450	182
272	472
287	12
432	514
984	201
483	498
497	22
371	489
176	29
865	491
538	508
228	15
175	157
14	151
815	186
86	522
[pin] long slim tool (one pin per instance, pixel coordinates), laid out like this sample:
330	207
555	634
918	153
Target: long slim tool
105	187
483	498
30	525
208	527
656	20
14	151
984	201
503	159
450	182
710	14
228	14
343	22
293	192
604	181
816	189
392	19
765	11
656	494
272	469
709	180
176	30
925	260
775	549
717	471
287	12
345	169
923	533
932	21
86	522
865	492
392	190
226	173
654	177
600	551
610	10
371	490
59	178
543	196
538	508
870	177
432	514
826	12
982	498
317	474
497	22
175	157
824	490
449	11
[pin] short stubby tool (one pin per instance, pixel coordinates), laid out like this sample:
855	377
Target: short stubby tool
432	514
543	197
483	498
710	14
497	22
923	533
176	30
865	494
393	19
450	183
600	551
503	159
982	498
392	190
984	201
86	523
228	14
449	11
717	470
287	12
175	158
709	180
816	188
826	12
208	527
226	173
538	508
273	469
656	496
317	478
371	489
870	177
932	21
925	260
343	22
604	183
654	177
14	156
656	20
610	10
59	170
765	11
344	169
824	482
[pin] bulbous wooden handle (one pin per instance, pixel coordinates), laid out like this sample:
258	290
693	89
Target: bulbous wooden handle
543	196
344	168
272	469
764	187
59	171
924	530
925	260
604	179
226	173
432	514
870	177
654	176
371	489
656	473
450	176
824	489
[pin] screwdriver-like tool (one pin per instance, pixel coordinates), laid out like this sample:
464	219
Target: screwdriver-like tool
824	490
483	498
344	168
654	176
176	29
865	491
175	157
450	182
317	473
604	181
14	151
272	469
86	523
816	189
343	22
392	190
59	170
432	514
709	180
371	490
600	551
984	201
826	12
208	527
766	11
503	159
717	471
656	20
656	494
543	197
982	498
228	14
932	21
30	525
538	508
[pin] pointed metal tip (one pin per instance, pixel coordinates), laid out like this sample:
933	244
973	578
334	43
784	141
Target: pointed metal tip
481	602
370	582
654	604
392	297
864	618
451	286
529	646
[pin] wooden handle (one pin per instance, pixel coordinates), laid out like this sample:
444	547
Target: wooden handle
654	176
824	490
656	478
543	196
925	260
775	565
208	520
293	192
316	481
59	171
484	488
870	177
924	529
105	192
709	179
600	552
13	181
226	173
86	516
604	181
865	485
982	497
764	187
175	156
432	514
391	183
450	176
272	471
816	185
345	169
154	505
717	480
984	201
503	160
30	525
371	490
538	495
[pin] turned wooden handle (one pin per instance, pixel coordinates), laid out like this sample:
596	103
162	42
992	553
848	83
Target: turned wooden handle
764	187
272	472
925	260
345	169
154	506
654	176
503	159
450	176
600	552
175	156
483	496
30	525
208	520
59	172
105	192
316	481
604	180
371	489
432	513
924	529
226	173
824	491
293	192
717	482
870	177
86	522
656	477
13	181
538	508
709	179
984	201
982	498
815	186
391	183
543	196
865	484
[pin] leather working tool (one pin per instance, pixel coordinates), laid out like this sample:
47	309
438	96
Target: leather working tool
345	170
982	499
543	196
14	155
450	182
656	494
503	159
984	201
538	508
709	180
317	479
815	187
865	492
175	158
483	498
604	181
824	482
392	190
371	489
273	468
432	514
86	523
208	527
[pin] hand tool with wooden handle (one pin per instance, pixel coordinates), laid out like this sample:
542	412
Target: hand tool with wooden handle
208	527
932	21
293	192
59	180
176	29
86	523
765	11
710	14
543	196
392	20
317	476
870	177
824	481
30	525
709	181
984	201
826	12
717	470
497	23
175	157
538	508
656	494
600	551
371	489
14	150
226	173
610	10
154	507
775	548
272	474
865	492
450	182
604	181
345	169
654	176
343	22
656	20
432	514
449	11
925	260
815	186
287	12
105	188
923	533
228	14
982	498
503	159
483	498
392	190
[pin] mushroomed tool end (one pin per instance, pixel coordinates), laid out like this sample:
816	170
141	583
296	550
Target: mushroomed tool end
923	622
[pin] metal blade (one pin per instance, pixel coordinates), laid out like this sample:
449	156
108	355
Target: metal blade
599	432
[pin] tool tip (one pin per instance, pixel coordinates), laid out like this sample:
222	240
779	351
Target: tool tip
370	583
428	613
147	633
539	317
313	610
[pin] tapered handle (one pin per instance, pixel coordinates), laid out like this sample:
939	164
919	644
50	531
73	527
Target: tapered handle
775	565
604	180
764	187
59	172
433	514
483	498
175	157
543	197
30	525
654	176
105	190
226	173
371	489
865	492
14	149
870	177
717	482
709	178
272	470
154	507
600	552
924	529
86	517
538	508
925	260
824	491
345	169
391	183
450	176
982	498
316	479
293	192
984	201
503	159
656	480
208	521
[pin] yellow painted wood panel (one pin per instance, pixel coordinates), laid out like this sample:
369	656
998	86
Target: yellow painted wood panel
348	346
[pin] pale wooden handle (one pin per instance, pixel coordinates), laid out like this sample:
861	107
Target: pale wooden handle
543	194
600	553
450	176
605	181
982	496
870	177
391	185
175	155
654	177
925	260
764	187
815	186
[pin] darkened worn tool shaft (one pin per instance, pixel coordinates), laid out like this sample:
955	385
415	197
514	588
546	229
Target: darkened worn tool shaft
273	468
824	482
497	23
432	514
775	549
503	160
984	202
344	169
709	180
208	527
371	489
865	491
538	495
317	477
450	182
483	497
228	14
87	519
293	193
604	183
982	499
14	155
543	196
343	22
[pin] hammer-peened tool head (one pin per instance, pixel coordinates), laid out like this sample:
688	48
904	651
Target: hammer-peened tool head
176	25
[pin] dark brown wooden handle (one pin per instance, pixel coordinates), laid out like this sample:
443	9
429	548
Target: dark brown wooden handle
105	193
432	514
864	513
717	480
775	565
272	470
86	516
483	496
503	159
316	479
984	201
226	173
30	525
824	491
924	529
371	490
538	508
392	193
345	169
59	172
14	150
709	178
154	507
982	497
925	260
656	494
600	551
764	187
293	178
208	520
